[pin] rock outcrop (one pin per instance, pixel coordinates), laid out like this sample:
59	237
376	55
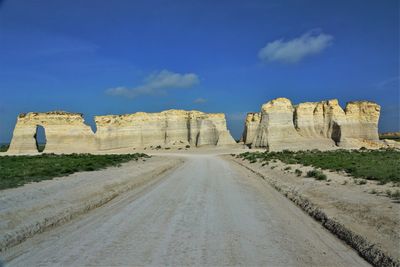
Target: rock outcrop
167	128
67	132
252	122
312	125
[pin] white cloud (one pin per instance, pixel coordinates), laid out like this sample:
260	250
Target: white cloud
200	100
157	84
292	51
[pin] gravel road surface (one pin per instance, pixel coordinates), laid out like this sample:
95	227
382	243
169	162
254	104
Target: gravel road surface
208	212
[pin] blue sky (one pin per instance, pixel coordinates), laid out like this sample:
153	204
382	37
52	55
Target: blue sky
111	57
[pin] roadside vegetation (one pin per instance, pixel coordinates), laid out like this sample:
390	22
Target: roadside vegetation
382	165
317	174
18	170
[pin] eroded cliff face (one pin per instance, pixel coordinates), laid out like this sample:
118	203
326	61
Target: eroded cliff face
252	122
167	128
313	125
67	132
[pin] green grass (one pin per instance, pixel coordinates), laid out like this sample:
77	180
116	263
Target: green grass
382	165
18	170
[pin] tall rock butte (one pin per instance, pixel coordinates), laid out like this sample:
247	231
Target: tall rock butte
312	125
67	133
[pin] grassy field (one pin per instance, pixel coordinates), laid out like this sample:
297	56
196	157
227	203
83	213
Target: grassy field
381	165
19	170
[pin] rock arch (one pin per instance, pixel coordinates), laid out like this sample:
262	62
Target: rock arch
65	133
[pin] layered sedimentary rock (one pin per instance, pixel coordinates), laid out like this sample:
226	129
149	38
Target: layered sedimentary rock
252	122
65	132
167	128
321	125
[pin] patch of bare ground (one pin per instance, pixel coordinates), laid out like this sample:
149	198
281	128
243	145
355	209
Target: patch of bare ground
363	213
35	207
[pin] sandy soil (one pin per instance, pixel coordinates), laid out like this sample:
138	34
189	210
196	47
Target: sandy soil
30	209
207	212
375	217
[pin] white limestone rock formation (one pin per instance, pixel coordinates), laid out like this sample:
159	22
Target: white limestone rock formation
251	125
65	133
313	125
361	123
167	128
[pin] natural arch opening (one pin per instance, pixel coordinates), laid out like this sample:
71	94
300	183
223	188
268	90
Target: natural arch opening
40	137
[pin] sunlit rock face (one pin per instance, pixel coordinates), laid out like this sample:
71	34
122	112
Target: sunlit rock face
361	121
313	125
65	133
251	125
167	128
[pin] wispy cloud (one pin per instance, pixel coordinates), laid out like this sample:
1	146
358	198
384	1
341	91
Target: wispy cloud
200	100
157	84
293	51
388	83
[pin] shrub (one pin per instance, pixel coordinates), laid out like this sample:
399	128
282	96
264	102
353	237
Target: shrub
298	172
187	146
287	168
321	176
317	174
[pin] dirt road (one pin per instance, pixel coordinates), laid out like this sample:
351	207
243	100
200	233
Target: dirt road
208	212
